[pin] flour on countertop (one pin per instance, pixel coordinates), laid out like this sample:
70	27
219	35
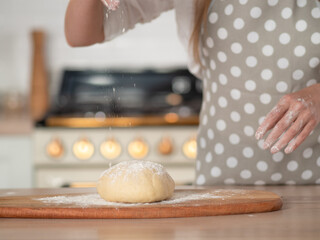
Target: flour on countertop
93	200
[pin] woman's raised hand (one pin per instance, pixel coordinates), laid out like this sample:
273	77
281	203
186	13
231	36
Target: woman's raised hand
292	120
111	4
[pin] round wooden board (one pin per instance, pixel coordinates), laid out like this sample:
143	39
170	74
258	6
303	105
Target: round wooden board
185	203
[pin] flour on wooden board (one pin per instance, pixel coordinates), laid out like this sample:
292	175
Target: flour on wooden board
93	200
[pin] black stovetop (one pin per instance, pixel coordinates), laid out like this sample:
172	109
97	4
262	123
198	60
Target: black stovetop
117	93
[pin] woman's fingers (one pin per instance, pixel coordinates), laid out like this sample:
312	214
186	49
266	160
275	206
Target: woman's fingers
292	120
272	118
280	128
290	134
301	137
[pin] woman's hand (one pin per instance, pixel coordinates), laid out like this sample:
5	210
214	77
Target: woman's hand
111	4
291	120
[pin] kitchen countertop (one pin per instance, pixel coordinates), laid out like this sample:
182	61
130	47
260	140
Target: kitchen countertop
299	218
15	126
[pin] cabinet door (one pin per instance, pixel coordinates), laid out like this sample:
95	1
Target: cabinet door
15	161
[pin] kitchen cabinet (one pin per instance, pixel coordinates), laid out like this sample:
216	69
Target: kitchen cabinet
15	161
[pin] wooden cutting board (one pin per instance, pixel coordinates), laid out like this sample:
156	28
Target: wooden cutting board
185	203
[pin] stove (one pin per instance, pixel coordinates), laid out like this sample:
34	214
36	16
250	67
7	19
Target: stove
100	118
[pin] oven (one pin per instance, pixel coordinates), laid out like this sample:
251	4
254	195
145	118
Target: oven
100	118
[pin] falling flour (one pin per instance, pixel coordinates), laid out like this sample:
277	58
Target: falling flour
94	200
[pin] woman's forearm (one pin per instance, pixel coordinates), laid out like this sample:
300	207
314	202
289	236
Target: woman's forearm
84	22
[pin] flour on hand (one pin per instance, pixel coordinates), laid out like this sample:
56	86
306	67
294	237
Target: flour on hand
111	4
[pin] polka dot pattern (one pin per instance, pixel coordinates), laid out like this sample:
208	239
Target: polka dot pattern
272	3
201	180
297	74
235	94
236	48
315	12
210	134
248	130
251	61
222	33
229	9
238	23
243	2
222	101
301	3
262	166
301	25
286	13
213	18
265	98
245	174
253	37
278	157
283	63
253	53
255	12
248	152
234	139
299	51
215	172
266	74
270	25
208	158
222	57
212	111
292	166
249	108
232	162
314	62
219	148
235	71
235	116
259	183
210	43
267	50
229	181
250	85
276	177
284	38
307	153
282	86
307	174
315	38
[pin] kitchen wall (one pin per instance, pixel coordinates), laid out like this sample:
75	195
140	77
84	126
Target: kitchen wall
152	45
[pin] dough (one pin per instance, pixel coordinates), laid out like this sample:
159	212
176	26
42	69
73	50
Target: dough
135	182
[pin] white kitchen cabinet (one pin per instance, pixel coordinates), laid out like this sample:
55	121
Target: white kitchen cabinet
15	161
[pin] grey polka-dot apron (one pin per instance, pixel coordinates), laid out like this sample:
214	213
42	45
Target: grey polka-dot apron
254	52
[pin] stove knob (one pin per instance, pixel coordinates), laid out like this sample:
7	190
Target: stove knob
190	148
165	146
138	148
83	149
55	148
110	149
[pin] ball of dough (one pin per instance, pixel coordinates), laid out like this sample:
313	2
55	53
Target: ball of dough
135	182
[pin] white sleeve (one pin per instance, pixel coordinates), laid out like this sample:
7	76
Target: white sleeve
131	12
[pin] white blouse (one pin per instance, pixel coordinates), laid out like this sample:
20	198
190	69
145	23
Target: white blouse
131	12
